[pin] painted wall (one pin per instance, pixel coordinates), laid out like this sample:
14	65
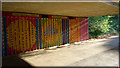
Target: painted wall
78	30
25	32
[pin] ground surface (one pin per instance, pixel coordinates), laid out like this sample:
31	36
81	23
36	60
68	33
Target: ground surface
107	58
99	52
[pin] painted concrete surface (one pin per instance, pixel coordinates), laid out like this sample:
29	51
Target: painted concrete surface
92	52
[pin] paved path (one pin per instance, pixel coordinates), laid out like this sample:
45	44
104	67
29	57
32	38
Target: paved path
106	58
91	53
69	55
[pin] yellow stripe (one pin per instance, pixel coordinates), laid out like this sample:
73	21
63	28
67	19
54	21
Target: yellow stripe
20	26
28	46
24	32
17	35
31	34
22	35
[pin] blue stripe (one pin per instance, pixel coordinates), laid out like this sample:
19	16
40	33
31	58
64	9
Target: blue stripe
37	32
40	32
66	33
68	30
5	35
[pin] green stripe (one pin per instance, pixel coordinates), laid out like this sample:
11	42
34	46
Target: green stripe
45	44
42	21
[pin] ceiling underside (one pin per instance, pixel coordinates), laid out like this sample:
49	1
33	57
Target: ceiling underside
75	9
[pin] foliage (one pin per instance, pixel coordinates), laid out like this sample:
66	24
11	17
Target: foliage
114	24
101	25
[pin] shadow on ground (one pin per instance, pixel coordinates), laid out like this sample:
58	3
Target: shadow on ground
112	43
14	61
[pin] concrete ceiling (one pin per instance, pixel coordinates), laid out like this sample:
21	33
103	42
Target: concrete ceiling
76	9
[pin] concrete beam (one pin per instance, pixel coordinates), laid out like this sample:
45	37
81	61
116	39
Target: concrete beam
75	9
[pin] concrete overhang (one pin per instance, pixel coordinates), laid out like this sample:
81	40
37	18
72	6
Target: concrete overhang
75	9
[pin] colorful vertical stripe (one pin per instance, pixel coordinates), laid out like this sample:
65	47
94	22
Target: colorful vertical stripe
37	32
5	36
23	33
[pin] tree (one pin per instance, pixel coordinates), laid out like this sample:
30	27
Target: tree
114	24
101	25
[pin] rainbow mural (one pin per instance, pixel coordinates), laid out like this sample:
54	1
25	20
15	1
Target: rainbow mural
21	32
